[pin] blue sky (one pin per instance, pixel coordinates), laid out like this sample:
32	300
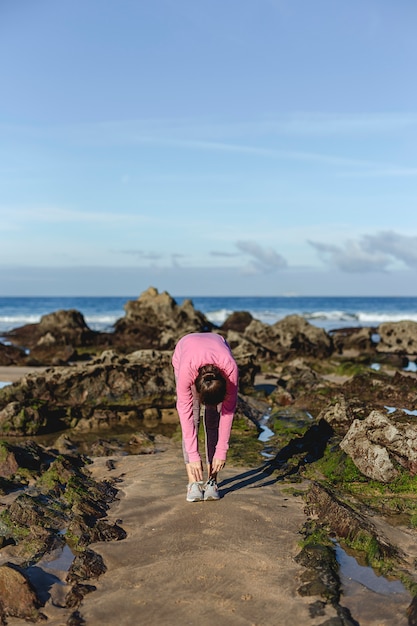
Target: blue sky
230	147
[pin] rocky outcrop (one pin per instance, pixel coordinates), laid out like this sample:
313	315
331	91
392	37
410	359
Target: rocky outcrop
106	391
358	340
291	336
61	328
398	337
375	390
110	390
155	320
18	458
345	520
53	341
237	321
61	497
63	507
297	376
18	598
380	443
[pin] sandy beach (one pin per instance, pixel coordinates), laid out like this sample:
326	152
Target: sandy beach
229	562
12	373
226	562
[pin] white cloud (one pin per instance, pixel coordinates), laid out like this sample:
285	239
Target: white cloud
370	253
351	257
401	247
262	260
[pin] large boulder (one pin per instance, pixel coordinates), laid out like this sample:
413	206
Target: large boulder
399	337
354	340
64	327
290	337
237	321
155	320
18	597
243	347
380	443
55	339
108	390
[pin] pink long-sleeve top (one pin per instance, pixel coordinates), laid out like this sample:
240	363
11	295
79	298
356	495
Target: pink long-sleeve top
192	352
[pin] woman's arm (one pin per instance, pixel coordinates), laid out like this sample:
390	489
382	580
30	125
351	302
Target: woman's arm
185	412
227	412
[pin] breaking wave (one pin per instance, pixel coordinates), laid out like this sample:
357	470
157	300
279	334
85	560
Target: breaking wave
326	312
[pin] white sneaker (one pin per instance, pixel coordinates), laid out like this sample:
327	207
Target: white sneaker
211	490
194	492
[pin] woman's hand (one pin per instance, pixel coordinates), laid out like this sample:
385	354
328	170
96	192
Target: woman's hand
217	465
195	470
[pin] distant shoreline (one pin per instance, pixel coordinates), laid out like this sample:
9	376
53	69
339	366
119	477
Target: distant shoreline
13	373
329	313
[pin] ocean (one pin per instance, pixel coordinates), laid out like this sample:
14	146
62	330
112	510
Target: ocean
100	313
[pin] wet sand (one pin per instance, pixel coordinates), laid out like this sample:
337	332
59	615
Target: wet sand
12	373
229	562
225	562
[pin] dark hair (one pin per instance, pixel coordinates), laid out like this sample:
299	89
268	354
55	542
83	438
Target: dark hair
211	385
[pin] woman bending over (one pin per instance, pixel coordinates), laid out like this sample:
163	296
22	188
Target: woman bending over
206	377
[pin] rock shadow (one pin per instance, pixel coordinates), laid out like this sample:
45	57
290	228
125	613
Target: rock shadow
310	446
43	582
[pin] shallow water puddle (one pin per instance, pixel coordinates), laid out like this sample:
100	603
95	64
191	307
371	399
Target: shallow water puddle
266	433
61	563
392	409
48	575
372	600
4	384
365	575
